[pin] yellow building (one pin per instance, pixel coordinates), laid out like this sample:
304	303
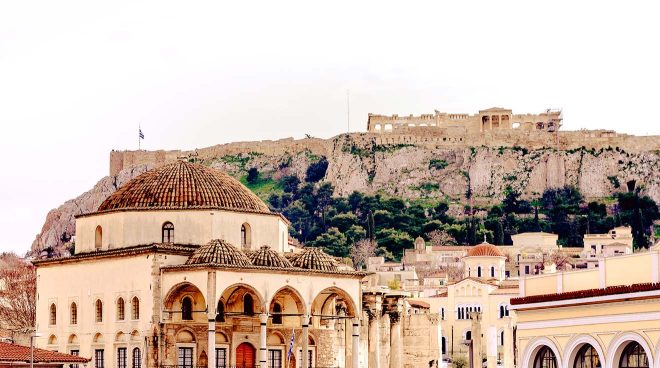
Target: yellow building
606	317
156	281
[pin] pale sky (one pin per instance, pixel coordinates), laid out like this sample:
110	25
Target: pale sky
76	78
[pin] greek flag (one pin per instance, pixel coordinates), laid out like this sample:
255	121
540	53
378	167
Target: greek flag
293	337
141	134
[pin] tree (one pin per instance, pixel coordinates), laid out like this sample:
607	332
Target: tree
361	251
440	238
333	242
253	175
316	171
290	183
394	240
18	285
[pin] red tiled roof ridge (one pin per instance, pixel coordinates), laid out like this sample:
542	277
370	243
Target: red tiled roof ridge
587	293
18	353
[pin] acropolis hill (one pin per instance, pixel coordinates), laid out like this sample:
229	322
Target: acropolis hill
437	156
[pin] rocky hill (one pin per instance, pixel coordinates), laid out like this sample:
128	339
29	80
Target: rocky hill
357	162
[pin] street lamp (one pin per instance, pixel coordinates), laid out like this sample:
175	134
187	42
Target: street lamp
32	336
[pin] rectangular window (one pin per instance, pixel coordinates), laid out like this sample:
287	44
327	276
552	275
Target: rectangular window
220	358
121	357
185	357
275	358
309	359
76	353
98	358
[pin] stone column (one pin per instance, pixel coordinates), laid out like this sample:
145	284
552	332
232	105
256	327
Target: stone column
491	347
356	342
263	349
476	339
210	297
348	362
305	342
374	336
508	343
396	347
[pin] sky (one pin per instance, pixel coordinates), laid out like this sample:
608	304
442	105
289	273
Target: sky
78	78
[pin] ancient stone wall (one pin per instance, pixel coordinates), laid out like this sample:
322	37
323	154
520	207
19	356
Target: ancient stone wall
420	339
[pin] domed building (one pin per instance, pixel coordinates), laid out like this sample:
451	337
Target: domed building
183	266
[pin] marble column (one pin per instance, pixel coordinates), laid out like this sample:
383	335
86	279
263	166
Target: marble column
508	344
210	297
305	342
263	349
356	342
396	346
374	337
476	339
491	347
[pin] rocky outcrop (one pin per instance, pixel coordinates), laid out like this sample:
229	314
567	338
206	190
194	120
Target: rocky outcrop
359	163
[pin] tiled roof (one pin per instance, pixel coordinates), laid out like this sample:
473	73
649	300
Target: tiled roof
184	249
419	304
18	353
268	258
220	252
588	293
485	250
450	248
184	185
315	259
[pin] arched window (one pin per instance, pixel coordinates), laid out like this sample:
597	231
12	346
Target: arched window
98	237
492	271
545	358
168	232
120	309
186	309
248	305
478	271
277	314
74	314
137	358
246	236
587	357
135	308
53	315
634	356
444	345
220	313
99	310
468	335
501	338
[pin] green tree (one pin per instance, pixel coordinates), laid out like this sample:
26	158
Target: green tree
333	242
394	240
316	171
253	175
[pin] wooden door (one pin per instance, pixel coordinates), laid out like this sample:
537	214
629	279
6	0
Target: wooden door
245	355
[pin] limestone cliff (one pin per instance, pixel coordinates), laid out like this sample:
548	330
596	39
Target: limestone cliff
357	162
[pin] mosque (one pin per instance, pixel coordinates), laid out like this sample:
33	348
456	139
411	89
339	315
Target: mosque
184	266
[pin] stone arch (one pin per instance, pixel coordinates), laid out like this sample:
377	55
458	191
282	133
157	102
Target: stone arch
233	297
576	343
120	337
619	343
135	336
98	338
73	339
52	340
221	338
275	338
333	296
288	292
533	348
174	298
185	335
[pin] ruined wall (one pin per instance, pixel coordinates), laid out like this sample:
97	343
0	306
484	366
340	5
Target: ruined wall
420	339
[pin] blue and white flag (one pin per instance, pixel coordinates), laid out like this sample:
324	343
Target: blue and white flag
293	337
141	134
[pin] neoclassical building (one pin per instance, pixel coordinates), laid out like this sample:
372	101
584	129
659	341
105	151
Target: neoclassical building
184	266
607	316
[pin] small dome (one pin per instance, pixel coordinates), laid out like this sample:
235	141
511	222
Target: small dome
184	185
485	250
314	259
267	257
218	251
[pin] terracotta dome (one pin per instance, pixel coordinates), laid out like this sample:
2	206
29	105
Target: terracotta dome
219	252
485	250
315	259
267	257
184	185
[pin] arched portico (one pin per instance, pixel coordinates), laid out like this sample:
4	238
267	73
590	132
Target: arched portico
331	301
619	344
291	306
236	296
576	344
534	348
185	301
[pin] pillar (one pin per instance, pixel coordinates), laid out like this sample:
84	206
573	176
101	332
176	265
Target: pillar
491	347
396	348
348	362
305	342
210	297
263	349
374	335
476	339
356	342
508	344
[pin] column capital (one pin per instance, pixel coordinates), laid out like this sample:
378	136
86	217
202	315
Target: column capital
395	317
263	317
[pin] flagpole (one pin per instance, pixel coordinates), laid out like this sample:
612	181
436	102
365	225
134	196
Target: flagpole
139	138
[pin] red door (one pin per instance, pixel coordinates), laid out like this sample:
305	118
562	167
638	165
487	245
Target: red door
245	355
